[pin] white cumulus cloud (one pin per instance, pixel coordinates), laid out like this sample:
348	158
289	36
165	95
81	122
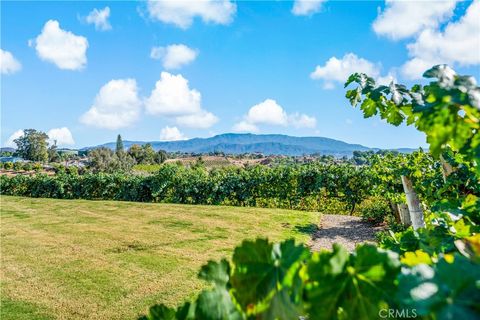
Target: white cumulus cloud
245	126
171	134
403	19
8	63
338	70
99	18
60	136
302	120
117	105
269	112
182	13
455	44
200	120
172	97
306	7
174	56
10	141
63	48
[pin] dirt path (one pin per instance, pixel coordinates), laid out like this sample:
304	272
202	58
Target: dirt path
345	230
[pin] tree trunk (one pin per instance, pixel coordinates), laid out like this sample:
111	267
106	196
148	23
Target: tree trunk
413	203
404	214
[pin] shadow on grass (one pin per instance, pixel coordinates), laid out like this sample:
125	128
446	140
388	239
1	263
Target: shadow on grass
309	229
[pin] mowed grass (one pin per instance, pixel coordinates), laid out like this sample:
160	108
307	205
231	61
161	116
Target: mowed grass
80	259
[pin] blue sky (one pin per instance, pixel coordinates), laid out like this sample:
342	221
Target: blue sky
163	71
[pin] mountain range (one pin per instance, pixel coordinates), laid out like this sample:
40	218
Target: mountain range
267	144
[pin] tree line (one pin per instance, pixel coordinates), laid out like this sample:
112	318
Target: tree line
33	146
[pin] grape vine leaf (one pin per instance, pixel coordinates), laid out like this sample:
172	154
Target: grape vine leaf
216	304
352	286
262	268
216	272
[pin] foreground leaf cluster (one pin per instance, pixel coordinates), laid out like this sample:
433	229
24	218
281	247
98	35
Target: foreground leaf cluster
286	281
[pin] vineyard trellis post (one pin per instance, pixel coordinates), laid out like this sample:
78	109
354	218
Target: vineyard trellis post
404	214
413	203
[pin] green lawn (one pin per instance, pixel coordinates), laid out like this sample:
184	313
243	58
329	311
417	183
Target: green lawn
80	259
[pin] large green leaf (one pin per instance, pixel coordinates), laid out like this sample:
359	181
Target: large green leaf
281	307
369	108
216	304
353	287
261	268
216	272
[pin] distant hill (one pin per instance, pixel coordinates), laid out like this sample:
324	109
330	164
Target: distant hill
7	149
267	144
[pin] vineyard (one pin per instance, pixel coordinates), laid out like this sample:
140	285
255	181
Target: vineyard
304	187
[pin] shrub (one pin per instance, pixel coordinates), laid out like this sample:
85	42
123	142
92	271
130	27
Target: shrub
37	166
374	209
72	170
394	225
17	166
150	168
27	166
8	165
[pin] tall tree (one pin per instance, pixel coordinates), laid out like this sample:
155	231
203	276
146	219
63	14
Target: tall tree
32	145
119	150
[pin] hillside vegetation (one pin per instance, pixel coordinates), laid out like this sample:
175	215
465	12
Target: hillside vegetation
268	144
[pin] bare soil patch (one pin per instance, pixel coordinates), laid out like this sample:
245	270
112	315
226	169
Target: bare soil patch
345	230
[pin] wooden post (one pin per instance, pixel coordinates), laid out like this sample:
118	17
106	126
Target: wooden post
413	203
396	212
404	214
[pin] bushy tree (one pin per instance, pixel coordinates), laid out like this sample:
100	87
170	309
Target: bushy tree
135	151
100	159
146	154
32	145
105	160
161	156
